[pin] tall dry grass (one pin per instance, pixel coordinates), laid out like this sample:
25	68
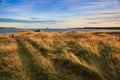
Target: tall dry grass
71	55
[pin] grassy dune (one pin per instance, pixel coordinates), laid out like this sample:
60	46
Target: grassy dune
74	55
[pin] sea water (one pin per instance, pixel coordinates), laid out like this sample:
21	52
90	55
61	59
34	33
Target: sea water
50	30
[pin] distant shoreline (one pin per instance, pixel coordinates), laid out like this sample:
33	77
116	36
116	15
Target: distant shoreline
113	28
97	28
7	28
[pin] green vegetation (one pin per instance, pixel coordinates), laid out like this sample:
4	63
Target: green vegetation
74	55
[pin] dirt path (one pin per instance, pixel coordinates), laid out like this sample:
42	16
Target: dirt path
27	61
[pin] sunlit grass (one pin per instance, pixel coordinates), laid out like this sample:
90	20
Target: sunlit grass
74	55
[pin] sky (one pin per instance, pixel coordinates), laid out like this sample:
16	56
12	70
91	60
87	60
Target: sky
59	13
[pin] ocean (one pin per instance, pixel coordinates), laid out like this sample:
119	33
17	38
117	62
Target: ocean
52	30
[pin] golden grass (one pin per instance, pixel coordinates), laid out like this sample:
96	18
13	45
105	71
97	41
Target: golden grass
74	55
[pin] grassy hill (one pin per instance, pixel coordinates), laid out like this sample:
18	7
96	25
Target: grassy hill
74	55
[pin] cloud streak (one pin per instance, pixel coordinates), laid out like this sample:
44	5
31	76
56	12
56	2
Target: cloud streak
27	21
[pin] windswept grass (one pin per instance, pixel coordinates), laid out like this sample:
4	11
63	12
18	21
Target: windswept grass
74	55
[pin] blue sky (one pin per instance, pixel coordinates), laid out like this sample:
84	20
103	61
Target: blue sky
59	13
